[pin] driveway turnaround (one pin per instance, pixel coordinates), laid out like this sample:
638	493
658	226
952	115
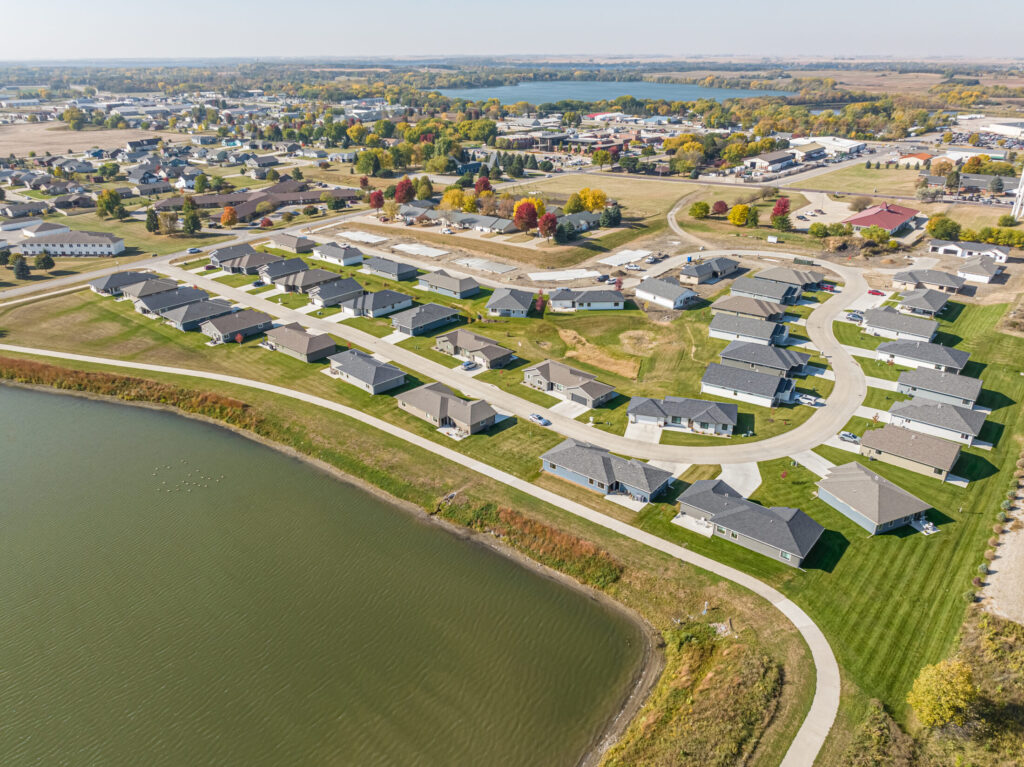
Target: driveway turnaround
744	478
819	720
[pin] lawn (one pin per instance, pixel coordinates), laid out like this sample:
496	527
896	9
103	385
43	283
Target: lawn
377	326
63	267
720	226
857	179
290	300
237	280
878	369
424	346
849	334
880	399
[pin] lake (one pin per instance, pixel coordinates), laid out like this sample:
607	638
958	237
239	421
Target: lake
174	594
588	90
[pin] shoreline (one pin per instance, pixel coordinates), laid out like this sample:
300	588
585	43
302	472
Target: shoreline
652	661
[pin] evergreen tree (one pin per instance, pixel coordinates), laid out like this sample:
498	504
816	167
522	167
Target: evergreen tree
152	222
20	267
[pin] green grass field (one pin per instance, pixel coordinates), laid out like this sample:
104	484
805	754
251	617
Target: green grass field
136	239
849	334
857	179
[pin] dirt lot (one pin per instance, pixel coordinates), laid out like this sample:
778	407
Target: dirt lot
56	138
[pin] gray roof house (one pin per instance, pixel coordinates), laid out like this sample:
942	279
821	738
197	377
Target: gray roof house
269	272
305	280
191	316
113	284
779	532
923	453
664	292
979	269
248	263
152	286
938	419
729	327
334	293
596	469
924	302
565	300
369	374
293	243
708	270
762	389
916	354
940	386
293	339
423	319
999	253
467	345
245	323
437	404
889	323
766	290
509	302
930	279
392	270
157	303
569	383
764	359
342	255
741	306
374	304
873	502
693	415
805	279
448	284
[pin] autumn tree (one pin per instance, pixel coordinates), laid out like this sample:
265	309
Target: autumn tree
483	184
228	217
168	222
376	199
424	189
781	207
942	227
720	208
818	229
601	158
390	209
547	224
525	215
738	214
404	191
469	203
453	199
699	210
107	202
594	200
943	693
537	203
574	204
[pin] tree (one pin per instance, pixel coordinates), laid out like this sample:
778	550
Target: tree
857	204
266	223
404	191
781	207
611	216
376	199
287	216
943	693
601	158
424	189
547	225
229	216
565	232
699	210
264	208
190	223
536	202
782	223
5	257
753	218
483	184
995	185
297	174
43	262
719	208
152	223
273	175
594	200
469	203
368	164
107	202
1007	220
941	167
310	210
818	229
168	222
453	199
20	267
525	215
840	230
942	227
574	204
875	234
738	214
201	183
953	180
390	209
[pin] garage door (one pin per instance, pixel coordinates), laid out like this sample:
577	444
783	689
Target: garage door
578	398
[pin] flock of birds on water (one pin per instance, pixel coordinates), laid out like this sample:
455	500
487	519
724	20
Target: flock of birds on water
186	483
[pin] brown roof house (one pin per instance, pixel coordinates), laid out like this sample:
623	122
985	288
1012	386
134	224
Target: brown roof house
923	453
293	340
437	404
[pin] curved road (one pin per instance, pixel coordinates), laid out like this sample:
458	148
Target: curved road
825	705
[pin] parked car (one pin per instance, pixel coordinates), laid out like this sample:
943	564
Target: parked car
446	230
539	419
601	278
468	365
828	288
819	212
193	251
808	399
876	292
854	317
850	437
258	284
634	267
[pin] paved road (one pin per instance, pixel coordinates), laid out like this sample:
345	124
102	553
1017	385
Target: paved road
815	728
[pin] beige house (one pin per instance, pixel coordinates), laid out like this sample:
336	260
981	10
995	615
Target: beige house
923	453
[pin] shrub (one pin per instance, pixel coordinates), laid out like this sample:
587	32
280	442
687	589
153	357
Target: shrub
990	555
970	597
997	529
983	568
976	581
1001	516
1004	505
993	541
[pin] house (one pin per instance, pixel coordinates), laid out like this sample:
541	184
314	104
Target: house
448	284
149	287
762	389
241	259
766	290
708	270
152	189
369	374
596	469
437	404
805	279
191	316
423	319
305	280
764	359
509	302
998	253
923	453
469	346
269	272
729	327
916	354
871	501
568	383
342	255
753	308
565	300
889	323
771	161
938	419
72	243
696	416
333	294
923	302
373	304
779	532
113	284
261	161
940	386
891	218
392	270
22	209
293	340
664	292
157	303
930	279
292	243
231	327
582	221
979	269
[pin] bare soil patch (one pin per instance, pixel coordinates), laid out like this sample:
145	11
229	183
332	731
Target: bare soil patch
584	351
48	137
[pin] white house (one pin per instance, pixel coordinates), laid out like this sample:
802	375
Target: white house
72	243
920	354
664	292
960	249
889	323
696	416
979	269
938	419
342	255
749	386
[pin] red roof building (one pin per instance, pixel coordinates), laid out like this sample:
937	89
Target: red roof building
889	217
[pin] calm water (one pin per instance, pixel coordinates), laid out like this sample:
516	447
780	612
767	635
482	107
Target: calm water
585	90
171	594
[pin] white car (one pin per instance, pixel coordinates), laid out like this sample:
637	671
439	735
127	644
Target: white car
634	267
808	399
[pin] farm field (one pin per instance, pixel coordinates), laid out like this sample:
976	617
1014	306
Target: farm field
41	138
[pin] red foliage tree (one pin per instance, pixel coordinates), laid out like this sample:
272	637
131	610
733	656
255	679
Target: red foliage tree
547	224
364	182
376	199
526	217
781	207
720	208
265	222
404	191
239	338
483	184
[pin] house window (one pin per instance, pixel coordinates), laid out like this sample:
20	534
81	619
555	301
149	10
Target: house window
590	481
720	529
936	471
601	485
551	465
733	534
785	555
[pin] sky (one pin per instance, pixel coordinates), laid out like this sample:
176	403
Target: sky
120	29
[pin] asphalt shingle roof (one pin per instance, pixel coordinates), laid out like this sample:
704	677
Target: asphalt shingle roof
923	351
363	367
887	318
931	451
870	495
942	383
724	413
940	414
746	326
598	464
747	381
766	356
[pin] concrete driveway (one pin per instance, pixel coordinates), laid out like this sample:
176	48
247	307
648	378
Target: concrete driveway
744	478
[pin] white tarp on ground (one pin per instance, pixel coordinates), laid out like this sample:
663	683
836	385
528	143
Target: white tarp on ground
356	236
415	249
563	276
483	265
624	257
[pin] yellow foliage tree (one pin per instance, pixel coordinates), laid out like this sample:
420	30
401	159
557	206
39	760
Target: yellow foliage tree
943	693
738	215
469	204
453	199
538	205
593	200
